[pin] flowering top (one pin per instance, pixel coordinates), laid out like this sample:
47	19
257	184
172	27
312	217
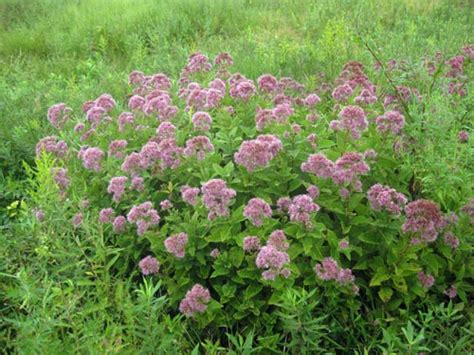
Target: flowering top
258	152
256	210
217	197
384	197
424	217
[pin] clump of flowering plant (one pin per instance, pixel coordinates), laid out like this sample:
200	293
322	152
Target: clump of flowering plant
242	188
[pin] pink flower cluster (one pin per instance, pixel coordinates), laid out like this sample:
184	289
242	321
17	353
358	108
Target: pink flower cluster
116	147
318	165
328	269
198	146
202	121
217	197
91	158
258	153
51	145
468	209
301	208
149	265
195	301
256	210
60	178
384	197
144	216
424	217
176	244
117	187
241	88
267	83
352	119
251	244
273	257
392	121
106	215
96	110
426	280
451	240
59	114
189	194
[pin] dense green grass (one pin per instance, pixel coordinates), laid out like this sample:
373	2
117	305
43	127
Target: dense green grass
71	51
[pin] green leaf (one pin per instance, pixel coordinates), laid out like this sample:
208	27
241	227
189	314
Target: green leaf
378	278
236	256
252	290
369	238
385	294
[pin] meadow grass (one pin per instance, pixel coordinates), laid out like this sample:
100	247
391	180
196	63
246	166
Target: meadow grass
71	51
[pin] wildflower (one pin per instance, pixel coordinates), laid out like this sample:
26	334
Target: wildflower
426	280
342	92
301	208
132	163
282	111
451	240
61	178
392	121
202	121
258	152
318	165
384	197
176	244
330	270
39	214
117	187
136	78
365	97
166	204
468	209
91	158
224	59
149	265
189	194
312	100
136	102
79	127
267	83
251	243
115	148
283	204
215	253
423	217
217	197
263	117
256	210
106	215
195	301
124	119
343	244
58	114
463	136
451	292
278	240
242	90
313	191
119	224
77	219
51	145
351	119
312	117
272	260
348	168
198	146
144	216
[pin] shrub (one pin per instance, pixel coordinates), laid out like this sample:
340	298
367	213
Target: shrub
231	192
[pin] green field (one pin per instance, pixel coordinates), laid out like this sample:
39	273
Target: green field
63	296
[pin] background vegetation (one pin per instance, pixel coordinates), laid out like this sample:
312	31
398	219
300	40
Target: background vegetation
72	51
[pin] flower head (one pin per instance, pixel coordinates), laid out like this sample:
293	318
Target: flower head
149	265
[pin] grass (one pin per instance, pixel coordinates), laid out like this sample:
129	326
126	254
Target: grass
71	51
